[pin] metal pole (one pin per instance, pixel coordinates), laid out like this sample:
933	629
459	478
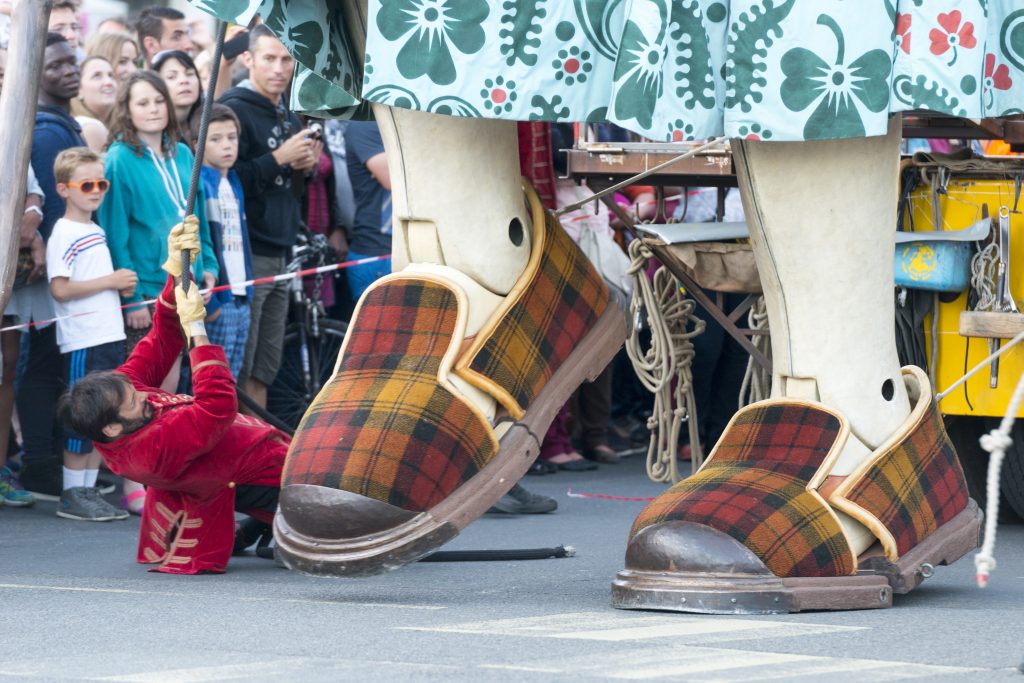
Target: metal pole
197	165
29	19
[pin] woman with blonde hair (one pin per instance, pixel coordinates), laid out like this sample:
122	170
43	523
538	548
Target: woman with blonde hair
119	49
95	101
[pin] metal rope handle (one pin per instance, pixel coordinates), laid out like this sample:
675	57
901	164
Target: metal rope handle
197	164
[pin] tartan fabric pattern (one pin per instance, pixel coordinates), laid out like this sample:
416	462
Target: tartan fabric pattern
555	312
915	487
755	489
383	427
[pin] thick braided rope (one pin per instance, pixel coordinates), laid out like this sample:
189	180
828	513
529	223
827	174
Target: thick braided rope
757	382
665	367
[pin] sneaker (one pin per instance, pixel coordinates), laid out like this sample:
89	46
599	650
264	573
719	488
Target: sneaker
12	492
519	501
84	503
106	484
118	513
43	478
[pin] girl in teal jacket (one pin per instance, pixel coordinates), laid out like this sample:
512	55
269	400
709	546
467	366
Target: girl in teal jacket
149	173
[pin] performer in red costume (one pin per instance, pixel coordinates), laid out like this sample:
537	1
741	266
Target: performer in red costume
200	459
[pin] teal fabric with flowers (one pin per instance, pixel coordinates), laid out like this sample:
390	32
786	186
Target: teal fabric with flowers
667	69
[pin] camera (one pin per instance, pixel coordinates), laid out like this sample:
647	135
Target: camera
315	131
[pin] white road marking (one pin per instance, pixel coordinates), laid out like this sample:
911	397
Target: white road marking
202	674
693	664
612	628
192	596
516	667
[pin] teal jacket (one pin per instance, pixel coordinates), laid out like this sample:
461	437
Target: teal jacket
139	212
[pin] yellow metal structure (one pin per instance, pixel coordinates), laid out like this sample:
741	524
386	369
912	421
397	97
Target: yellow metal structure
960	207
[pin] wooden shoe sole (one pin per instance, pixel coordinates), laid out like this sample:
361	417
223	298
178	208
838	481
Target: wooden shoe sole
724	577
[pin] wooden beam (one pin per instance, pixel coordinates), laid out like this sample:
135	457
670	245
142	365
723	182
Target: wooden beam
29	20
990	325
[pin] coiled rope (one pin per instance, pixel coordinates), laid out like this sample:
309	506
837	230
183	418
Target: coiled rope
757	382
664	368
983	276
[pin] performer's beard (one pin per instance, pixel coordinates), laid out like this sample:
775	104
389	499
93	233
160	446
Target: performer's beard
138	423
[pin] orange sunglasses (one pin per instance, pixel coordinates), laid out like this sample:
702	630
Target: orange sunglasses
91	186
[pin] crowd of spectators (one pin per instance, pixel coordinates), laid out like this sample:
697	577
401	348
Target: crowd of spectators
119	107
121	104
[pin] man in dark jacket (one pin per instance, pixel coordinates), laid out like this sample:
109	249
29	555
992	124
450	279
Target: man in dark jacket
55	131
274	153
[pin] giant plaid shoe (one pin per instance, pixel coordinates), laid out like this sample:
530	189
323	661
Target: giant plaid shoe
394	457
757	529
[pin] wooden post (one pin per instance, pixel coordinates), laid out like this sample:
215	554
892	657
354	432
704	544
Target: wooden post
29	20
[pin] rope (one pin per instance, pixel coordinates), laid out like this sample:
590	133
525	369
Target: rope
980	366
935	168
983	276
996	443
757	383
664	367
197	164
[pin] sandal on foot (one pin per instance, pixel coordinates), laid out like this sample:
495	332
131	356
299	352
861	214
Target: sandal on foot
393	459
757	529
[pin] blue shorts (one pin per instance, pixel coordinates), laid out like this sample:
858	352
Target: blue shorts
78	364
361	277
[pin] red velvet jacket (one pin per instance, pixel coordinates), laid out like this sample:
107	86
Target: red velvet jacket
193	452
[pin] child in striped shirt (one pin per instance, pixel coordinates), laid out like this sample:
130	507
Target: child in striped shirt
90	328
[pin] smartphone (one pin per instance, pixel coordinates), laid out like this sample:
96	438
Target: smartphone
236	45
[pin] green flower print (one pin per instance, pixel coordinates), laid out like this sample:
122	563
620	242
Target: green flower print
428	27
832	87
638	70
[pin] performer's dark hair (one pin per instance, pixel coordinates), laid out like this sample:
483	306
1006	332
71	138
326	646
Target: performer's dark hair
54	38
93	403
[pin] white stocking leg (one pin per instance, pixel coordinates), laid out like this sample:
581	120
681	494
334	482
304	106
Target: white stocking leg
822	218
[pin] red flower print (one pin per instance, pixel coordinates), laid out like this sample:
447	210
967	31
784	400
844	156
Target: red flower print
997	77
952	35
903	32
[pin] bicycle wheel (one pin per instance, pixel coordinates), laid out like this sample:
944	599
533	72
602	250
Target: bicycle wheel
289	396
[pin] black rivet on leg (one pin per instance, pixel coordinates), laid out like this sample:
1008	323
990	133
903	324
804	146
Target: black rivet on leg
515	231
888	389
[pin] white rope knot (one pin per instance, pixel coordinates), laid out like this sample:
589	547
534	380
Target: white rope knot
996	441
983	564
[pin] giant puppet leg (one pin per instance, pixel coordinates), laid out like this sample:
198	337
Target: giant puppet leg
453	366
843	488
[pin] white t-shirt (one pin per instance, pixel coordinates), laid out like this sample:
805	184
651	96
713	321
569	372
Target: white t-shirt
78	251
231	237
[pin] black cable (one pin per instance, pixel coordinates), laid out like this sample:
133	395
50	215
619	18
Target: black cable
500	555
263	413
197	164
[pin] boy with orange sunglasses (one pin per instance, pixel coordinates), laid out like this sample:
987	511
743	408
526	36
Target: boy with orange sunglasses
90	328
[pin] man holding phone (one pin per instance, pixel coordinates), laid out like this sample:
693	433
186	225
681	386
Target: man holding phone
272	147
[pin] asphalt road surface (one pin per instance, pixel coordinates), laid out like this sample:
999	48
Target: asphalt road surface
75	607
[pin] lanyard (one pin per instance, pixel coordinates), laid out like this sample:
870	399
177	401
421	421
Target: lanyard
171	181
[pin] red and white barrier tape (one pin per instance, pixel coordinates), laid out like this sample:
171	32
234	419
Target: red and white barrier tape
271	279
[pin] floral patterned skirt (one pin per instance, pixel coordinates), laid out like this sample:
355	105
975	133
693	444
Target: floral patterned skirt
667	69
